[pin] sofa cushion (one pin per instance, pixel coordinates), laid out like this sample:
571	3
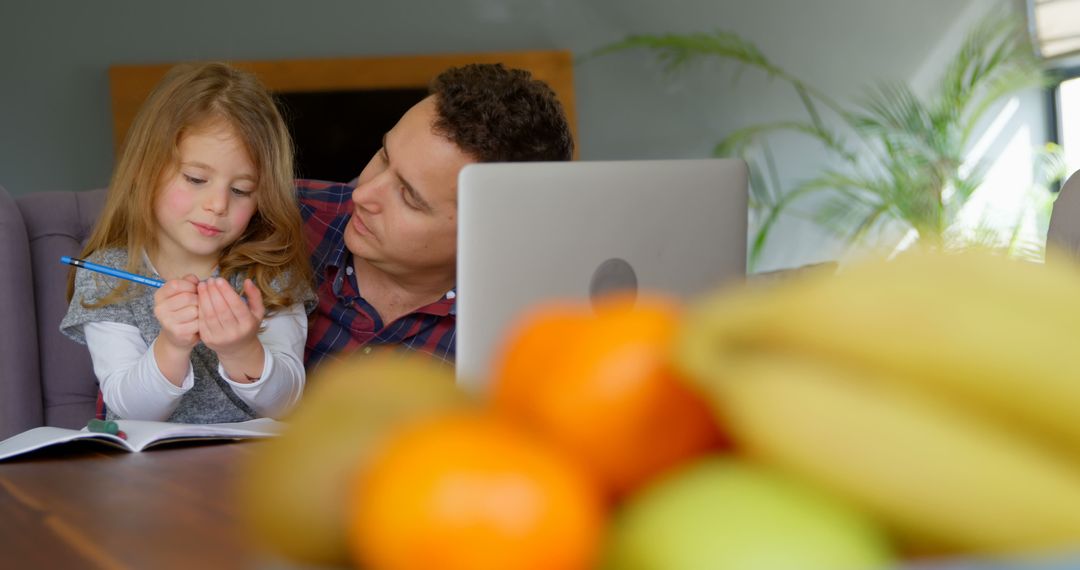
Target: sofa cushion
58	224
20	386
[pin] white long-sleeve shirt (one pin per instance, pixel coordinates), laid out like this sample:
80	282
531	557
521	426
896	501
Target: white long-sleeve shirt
133	386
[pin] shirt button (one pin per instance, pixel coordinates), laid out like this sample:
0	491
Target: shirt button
450	294
349	270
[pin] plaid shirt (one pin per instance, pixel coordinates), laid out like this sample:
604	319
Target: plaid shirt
344	321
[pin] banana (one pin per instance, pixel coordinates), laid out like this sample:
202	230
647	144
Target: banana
935	475
983	333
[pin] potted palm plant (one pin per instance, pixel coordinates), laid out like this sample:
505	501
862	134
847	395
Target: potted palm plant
900	170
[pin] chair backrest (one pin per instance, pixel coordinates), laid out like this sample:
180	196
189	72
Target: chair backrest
20	384
1063	234
58	224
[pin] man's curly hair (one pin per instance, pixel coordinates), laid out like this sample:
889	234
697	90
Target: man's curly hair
494	114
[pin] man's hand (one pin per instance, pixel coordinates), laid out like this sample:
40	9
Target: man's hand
229	326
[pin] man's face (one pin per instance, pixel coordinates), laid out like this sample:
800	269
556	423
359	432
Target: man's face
405	216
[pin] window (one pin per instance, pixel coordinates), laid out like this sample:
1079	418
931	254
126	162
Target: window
1055	26
1055	30
1067	102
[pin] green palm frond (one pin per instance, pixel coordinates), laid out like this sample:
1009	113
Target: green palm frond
774	192
771	216
1028	250
757	243
966	186
913	192
984	236
677	50
852	222
891	109
987	236
870	222
736	143
839	214
858	206
852	186
994	45
1009	82
763	193
994	61
894	115
901	154
1051	166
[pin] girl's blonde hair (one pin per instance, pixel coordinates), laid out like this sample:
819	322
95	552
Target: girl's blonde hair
189	97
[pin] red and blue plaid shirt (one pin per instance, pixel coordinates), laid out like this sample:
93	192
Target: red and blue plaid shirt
344	321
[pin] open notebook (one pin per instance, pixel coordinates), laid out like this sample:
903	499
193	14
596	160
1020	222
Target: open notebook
140	435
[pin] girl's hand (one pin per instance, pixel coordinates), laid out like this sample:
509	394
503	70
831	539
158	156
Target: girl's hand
176	307
229	326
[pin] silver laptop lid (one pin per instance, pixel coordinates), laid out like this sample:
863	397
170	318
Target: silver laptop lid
534	231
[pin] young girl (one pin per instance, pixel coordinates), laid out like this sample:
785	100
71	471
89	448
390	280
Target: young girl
203	198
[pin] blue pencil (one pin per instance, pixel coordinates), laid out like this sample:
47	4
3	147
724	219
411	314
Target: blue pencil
81	263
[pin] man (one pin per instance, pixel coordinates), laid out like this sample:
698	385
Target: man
385	252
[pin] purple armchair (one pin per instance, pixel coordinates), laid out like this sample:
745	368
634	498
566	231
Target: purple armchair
45	378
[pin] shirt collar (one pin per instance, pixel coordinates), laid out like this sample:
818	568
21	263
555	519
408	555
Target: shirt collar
447	305
339	257
444	306
341	261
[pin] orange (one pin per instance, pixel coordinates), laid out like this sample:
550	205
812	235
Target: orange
471	492
539	335
600	384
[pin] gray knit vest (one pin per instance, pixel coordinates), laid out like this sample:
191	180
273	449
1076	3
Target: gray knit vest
210	400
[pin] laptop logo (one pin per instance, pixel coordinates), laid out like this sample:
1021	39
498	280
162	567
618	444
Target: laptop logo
613	275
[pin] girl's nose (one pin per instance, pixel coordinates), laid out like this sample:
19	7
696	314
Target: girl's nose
217	201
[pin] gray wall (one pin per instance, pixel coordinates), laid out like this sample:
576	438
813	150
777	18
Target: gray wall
54	103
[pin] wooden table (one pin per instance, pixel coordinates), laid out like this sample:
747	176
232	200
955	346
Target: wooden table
77	507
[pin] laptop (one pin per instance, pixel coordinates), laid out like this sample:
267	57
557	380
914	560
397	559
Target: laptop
529	232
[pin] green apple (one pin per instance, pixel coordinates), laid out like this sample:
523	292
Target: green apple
728	514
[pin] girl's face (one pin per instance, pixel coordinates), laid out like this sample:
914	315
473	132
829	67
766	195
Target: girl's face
204	202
